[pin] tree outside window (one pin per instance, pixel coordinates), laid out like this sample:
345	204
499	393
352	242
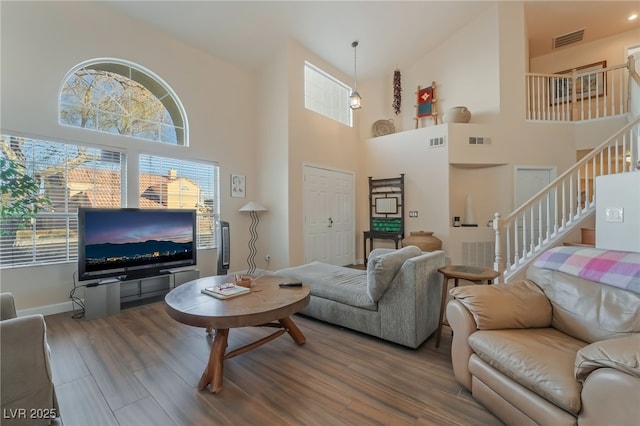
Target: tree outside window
117	98
43	183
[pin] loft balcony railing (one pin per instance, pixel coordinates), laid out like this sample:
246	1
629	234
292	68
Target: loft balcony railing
590	94
548	216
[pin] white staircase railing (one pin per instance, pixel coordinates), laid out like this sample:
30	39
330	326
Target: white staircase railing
549	215
593	93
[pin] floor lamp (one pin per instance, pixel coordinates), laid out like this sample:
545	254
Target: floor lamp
253	208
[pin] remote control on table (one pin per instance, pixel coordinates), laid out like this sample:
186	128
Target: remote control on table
291	284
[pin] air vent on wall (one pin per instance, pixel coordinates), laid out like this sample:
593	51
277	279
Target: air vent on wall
479	140
569	38
438	141
478	253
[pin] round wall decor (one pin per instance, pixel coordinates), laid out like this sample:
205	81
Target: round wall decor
383	127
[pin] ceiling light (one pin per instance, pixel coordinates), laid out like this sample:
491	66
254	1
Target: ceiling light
354	97
633	16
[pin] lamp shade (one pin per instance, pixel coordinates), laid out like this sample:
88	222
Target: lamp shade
253	206
355	100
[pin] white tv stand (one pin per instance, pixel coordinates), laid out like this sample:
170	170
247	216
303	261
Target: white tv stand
108	296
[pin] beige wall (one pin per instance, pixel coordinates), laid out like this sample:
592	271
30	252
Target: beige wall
466	71
610	49
317	140
426	179
273	159
512	61
42	41
270	140
483	67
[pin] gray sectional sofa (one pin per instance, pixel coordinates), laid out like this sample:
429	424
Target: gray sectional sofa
396	299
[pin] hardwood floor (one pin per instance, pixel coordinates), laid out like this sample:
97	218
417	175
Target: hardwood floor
140	367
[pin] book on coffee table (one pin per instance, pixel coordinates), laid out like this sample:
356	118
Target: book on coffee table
226	291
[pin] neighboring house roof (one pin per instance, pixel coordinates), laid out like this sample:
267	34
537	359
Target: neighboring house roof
95	188
105	199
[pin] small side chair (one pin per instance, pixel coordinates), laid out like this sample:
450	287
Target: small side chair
28	395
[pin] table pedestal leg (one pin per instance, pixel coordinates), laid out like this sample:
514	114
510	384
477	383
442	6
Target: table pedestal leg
445	288
212	375
293	330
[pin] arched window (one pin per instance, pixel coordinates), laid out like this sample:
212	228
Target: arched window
58	177
115	96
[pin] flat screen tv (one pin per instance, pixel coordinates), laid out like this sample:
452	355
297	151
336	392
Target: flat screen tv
134	243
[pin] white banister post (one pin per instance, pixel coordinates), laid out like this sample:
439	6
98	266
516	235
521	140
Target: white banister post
498	263
574	96
631	67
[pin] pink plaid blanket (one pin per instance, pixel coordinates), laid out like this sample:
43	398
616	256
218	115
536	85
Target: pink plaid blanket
615	268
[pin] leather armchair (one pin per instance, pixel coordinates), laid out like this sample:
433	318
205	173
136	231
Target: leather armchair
526	353
28	394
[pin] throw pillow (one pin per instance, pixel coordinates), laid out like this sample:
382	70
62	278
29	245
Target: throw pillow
376	253
381	270
499	306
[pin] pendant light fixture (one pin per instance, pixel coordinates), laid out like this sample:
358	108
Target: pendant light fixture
354	97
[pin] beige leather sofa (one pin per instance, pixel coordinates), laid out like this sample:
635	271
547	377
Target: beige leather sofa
27	391
555	349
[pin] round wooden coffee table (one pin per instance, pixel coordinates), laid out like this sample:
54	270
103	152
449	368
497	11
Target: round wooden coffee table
267	305
475	274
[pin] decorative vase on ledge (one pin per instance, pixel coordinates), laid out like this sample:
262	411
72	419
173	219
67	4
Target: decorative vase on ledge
424	240
458	114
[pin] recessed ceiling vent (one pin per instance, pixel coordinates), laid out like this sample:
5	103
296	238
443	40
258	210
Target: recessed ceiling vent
569	38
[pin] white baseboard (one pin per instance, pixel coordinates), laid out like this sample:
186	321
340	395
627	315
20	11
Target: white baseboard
56	308
258	272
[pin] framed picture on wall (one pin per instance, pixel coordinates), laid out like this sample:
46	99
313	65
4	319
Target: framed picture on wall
238	189
591	83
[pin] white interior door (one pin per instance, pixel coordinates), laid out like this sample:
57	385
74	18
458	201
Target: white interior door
329	228
316	215
342	229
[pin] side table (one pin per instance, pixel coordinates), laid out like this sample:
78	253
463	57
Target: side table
381	235
475	274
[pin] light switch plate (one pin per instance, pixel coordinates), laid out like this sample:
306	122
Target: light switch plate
614	214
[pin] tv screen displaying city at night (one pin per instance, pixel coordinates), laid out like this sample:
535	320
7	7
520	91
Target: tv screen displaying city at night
116	241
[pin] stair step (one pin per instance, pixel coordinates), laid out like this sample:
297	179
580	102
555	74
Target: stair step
588	236
579	244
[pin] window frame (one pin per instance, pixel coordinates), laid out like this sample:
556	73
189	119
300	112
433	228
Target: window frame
214	187
130	150
145	78
69	253
342	105
40	253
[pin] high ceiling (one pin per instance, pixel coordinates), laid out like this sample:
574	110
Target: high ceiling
599	19
390	33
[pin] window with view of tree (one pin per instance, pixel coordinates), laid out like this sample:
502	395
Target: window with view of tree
67	176
117	97
43	183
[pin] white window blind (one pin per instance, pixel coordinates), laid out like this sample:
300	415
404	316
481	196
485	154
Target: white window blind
69	176
326	95
181	184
